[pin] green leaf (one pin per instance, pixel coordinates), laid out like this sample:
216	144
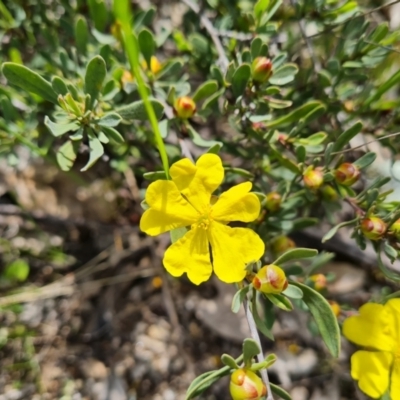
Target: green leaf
332	231
212	99
280	392
29	80
199	141
255	47
229	361
250	350
295	254
81	34
272	9
295	115
268	362
66	155
293	292
239	171
207	89
110	120
59	86
147	45
238	298
214	149
365	161
284	74
177	234
137	110
346	136
154	176
284	161
324	318
259	9
94	77
390	251
113	134
96	151
280	301
102	137
262	326
60	129
383	88
388	273
17	271
98	14
240	79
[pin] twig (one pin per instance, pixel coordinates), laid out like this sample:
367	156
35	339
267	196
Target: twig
241	36
260	356
316	63
223	59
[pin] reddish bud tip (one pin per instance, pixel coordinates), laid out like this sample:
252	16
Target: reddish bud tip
270	279
347	174
184	107
313	178
246	385
273	201
261	69
373	228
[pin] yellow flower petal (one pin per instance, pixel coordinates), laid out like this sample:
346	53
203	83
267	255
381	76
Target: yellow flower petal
395	381
393	309
371	328
237	204
168	209
198	182
371	369
232	249
190	254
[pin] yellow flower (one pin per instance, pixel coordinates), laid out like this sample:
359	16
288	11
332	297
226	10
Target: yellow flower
377	328
187	200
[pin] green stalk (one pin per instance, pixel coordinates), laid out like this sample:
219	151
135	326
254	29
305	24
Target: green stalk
6	14
123	14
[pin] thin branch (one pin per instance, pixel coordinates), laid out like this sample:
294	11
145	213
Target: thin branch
256	337
223	59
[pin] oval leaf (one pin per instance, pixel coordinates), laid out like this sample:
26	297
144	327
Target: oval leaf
137	110
240	78
94	77
295	254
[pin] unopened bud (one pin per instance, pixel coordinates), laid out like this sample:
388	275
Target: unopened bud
373	228
313	178
395	229
282	244
347	174
273	201
319	281
261	69
127	77
246	385
259	126
184	107
155	65
335	307
329	193
270	279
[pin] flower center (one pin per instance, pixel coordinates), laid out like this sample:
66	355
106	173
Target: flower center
204	220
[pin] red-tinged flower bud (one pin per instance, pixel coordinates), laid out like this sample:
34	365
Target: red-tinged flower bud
259	126
319	281
246	385
184	107
395	229
373	228
270	279
335	307
313	178
329	193
347	174
261	69
273	201
282	244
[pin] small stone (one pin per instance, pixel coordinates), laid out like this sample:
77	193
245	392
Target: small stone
348	278
95	369
299	393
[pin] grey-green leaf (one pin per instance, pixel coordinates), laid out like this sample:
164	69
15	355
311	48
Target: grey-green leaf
205	90
113	134
60	129
250	350
239	297
365	161
324	317
137	110
110	120
96	151
66	155
29	80
147	45
295	254
240	79
280	392
81	34
229	361
284	74
94	77
293	292
59	86
346	136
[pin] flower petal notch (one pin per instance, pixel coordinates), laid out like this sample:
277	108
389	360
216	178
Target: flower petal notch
188	201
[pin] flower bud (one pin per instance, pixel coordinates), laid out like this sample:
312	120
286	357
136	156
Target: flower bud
282	244
273	201
347	174
373	228
313	178
329	193
155	65
127	77
270	279
335	307
395	229
319	281
261	69
184	107
246	385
